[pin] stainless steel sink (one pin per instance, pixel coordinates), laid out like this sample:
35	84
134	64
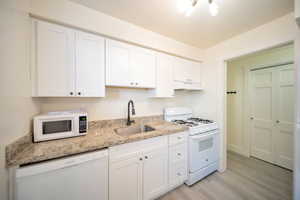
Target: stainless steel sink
132	130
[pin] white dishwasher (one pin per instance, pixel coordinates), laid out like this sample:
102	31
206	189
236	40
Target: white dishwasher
78	177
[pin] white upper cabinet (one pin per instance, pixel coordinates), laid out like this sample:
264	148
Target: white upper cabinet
187	74
142	67
53	62
90	65
66	62
164	76
117	64
129	66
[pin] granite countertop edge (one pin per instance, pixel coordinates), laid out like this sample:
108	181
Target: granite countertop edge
96	139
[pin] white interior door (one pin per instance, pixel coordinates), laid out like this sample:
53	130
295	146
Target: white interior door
285	116
272	112
90	65
262	95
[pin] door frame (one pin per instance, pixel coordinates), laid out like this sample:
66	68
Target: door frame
222	94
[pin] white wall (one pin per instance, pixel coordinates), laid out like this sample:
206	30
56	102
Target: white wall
16	105
238	138
67	12
114	105
280	31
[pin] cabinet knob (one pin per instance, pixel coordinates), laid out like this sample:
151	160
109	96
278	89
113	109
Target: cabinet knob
146	157
71	93
206	160
141	158
136	83
252	118
179	138
179	174
79	93
179	154
277	121
131	83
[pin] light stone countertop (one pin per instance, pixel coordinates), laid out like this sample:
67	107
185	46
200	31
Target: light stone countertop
101	135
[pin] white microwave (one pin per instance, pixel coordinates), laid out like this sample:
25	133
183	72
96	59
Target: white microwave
57	125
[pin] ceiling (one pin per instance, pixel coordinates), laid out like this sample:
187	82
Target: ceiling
200	29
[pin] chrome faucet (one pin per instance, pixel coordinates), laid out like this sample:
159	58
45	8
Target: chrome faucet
128	112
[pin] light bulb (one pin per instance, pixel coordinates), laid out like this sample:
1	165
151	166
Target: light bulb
184	5
189	11
213	9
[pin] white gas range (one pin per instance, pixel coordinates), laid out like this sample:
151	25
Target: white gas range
203	143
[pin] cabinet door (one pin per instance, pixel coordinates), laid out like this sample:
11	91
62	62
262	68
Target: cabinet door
194	72
117	64
180	67
125	179
164	76
142	68
89	65
53	68
155	174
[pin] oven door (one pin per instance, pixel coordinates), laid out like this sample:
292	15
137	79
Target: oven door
55	128
203	150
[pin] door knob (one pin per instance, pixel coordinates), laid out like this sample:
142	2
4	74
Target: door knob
277	121
252	118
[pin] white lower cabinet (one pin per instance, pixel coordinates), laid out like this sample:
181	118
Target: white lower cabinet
155	173
147	169
125	179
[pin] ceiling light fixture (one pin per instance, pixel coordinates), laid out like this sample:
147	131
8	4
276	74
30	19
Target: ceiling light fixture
188	6
213	8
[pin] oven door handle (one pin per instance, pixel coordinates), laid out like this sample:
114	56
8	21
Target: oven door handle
204	136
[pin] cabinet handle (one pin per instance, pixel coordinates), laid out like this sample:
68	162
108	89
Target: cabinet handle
79	93
141	158
146	157
206	160
277	121
179	154
131	83
71	93
179	138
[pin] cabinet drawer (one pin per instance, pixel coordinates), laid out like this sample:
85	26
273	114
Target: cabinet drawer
125	151
178	153
177	138
177	174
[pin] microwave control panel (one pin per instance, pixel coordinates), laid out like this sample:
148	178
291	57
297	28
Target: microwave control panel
82	124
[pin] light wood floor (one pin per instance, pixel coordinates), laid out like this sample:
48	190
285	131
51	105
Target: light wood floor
245	178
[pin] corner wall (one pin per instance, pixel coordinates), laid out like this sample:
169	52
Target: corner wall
16	104
238	137
278	32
